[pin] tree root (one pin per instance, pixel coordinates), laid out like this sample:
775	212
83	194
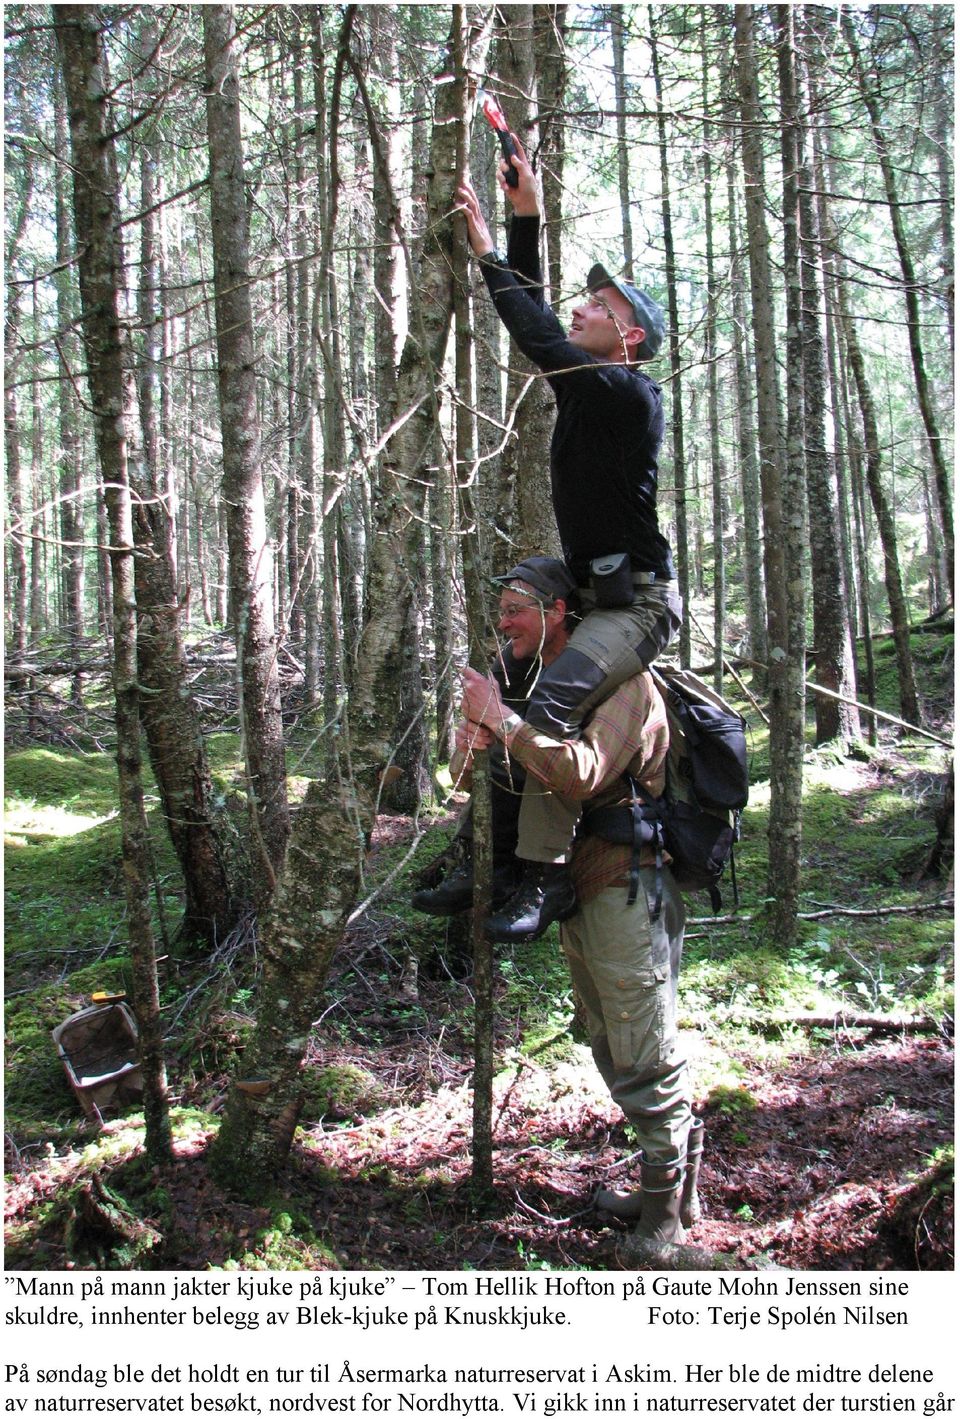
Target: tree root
102	1230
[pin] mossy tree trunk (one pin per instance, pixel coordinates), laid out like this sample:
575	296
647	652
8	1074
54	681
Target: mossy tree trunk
323	869
109	364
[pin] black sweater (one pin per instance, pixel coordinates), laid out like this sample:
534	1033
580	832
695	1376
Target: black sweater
609	425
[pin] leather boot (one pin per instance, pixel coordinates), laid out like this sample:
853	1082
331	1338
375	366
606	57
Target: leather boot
690	1209
455	893
545	895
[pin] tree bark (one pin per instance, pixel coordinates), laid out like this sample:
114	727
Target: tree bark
618	45
788	681
747	443
71	488
250	552
681	549
886	526
19	570
525	464
871	99
550	23
475	574
782	520
717	466
323	868
107	346
833	653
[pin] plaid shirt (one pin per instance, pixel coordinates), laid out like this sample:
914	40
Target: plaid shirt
626	733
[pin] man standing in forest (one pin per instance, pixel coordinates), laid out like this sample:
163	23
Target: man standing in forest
623	944
603	461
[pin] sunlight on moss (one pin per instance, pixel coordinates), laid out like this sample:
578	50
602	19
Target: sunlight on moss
27	818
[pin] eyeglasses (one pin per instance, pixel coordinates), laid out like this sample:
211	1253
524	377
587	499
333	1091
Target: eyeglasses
598	303
512	609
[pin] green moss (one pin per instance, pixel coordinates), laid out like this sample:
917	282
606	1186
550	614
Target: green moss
85	782
734	1101
343	1091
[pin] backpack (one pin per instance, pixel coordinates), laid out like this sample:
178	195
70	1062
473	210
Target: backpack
697	818
707	782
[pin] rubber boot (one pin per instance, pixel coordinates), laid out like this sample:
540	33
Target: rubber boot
545	895
624	1203
662	1186
690	1209
627	1204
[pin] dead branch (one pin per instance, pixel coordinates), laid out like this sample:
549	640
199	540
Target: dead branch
876	1024
635	1255
943	904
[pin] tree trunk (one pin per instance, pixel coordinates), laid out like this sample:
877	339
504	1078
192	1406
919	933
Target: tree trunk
788	680
475	575
550	22
250	552
717	467
323	868
747	443
681	550
786	686
871	99
71	489
100	262
618	45
39	502
833	654
909	701
525	464
171	720
19	570
837	404
860	534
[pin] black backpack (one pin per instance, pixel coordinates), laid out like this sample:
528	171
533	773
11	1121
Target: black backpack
707	782
697	819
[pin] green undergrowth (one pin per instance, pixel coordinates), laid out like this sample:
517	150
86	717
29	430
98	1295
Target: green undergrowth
868	830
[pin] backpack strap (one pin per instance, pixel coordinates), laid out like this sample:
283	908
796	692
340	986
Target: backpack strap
634	825
642	825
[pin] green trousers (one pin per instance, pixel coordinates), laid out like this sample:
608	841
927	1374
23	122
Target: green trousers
625	969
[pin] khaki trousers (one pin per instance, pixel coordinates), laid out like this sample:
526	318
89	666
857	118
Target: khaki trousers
625	969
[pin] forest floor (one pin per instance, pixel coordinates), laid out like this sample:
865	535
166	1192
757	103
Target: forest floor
824	1072
827	1161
